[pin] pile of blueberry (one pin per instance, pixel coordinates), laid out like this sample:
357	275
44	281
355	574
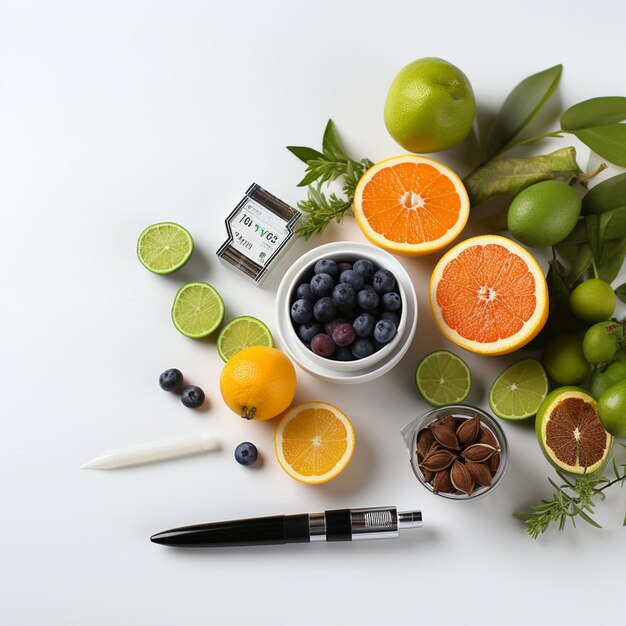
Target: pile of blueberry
347	311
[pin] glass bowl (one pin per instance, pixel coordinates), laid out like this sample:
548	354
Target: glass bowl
411	431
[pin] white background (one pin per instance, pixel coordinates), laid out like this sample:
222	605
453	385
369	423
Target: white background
115	115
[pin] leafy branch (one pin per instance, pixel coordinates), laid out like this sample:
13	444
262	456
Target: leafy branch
571	500
323	168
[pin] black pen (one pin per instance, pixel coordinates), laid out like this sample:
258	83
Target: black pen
337	525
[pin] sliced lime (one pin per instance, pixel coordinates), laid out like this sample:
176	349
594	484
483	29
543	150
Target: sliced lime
518	392
240	333
198	310
164	248
443	378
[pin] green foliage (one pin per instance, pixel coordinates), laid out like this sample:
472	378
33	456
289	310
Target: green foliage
322	169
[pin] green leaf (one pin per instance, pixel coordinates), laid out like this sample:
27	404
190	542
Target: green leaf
620	292
305	154
506	176
605	196
608	141
581	264
310	177
520	106
594	112
331	145
588	519
613	255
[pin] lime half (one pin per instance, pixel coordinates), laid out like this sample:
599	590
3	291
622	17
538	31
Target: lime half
240	333
443	378
164	248
519	391
198	310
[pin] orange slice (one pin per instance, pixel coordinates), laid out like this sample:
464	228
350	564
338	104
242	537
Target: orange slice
488	295
314	442
411	205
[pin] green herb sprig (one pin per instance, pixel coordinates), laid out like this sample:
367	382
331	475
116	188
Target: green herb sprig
323	168
573	500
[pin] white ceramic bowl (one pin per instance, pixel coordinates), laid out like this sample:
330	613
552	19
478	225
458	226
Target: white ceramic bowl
346	372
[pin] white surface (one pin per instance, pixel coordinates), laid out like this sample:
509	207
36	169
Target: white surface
115	115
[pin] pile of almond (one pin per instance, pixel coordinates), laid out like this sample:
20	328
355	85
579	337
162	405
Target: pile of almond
455	454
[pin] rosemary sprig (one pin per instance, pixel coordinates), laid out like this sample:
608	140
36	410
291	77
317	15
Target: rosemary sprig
323	168
571	500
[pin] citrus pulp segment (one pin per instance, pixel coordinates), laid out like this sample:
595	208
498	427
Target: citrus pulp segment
411	205
519	391
198	310
570	432
164	248
443	378
241	333
314	442
488	295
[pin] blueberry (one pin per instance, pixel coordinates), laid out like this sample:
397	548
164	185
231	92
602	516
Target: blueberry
324	310
171	380
327	266
366	268
246	453
343	335
362	348
322	285
192	397
383	281
323	345
307	331
391	301
343	353
344	297
353	278
302	311
344	266
364	325
392	316
368	299
304	292
330	326
384	331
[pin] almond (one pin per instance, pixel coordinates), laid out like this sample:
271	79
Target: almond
425	439
445	436
494	463
478	452
461	478
468	431
480	472
438	460
486	436
446	420
442	482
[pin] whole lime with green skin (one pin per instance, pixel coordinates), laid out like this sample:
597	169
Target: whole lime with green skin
593	301
430	106
602	341
612	409
564	360
601	380
544	213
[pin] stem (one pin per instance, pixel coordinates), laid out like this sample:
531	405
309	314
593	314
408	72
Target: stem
594	268
555	133
613	482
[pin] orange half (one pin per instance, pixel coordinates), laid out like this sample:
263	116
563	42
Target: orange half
411	205
489	295
314	442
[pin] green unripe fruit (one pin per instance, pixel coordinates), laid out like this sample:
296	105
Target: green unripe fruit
603	380
544	214
602	341
612	409
593	301
564	360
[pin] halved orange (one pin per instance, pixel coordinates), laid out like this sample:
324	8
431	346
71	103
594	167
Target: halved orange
411	205
314	442
489	295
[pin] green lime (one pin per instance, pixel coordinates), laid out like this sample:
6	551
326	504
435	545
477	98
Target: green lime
517	393
612	409
198	310
164	248
430	106
570	433
564	360
443	378
602	341
240	333
601	380
544	213
593	301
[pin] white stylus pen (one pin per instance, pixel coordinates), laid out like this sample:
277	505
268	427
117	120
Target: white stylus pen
154	451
